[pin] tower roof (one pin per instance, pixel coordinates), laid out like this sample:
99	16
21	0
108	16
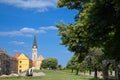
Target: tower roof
35	42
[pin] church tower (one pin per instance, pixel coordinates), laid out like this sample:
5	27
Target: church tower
34	50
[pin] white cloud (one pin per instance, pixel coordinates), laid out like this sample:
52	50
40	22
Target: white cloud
17	42
40	5
49	28
11	33
28	31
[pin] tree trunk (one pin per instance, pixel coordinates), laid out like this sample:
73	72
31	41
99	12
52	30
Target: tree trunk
90	72
84	72
111	72
95	74
72	70
77	71
117	73
105	73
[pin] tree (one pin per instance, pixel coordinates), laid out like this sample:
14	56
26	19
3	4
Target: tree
72	64
44	63
73	38
100	19
95	59
84	66
50	63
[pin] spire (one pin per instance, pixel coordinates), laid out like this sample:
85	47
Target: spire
35	42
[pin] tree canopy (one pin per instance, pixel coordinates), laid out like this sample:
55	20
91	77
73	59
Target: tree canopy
50	63
97	25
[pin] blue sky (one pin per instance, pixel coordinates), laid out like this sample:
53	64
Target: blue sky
20	20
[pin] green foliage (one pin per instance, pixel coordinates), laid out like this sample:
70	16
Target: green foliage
95	79
73	37
93	60
72	64
95	57
44	63
71	4
83	66
97	25
50	63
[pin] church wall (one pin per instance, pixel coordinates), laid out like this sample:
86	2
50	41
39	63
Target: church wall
37	60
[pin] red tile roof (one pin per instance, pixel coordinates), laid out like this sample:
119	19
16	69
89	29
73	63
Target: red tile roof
16	55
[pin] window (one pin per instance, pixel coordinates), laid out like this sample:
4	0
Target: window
20	66
20	61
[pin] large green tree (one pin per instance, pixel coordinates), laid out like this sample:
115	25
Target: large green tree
97	23
100	19
50	63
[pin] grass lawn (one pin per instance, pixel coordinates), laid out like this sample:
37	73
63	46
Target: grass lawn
53	75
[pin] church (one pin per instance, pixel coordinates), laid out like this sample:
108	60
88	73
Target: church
36	58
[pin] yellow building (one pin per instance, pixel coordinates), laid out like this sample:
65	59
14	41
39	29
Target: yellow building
24	63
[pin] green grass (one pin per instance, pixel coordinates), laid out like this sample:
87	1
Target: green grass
53	75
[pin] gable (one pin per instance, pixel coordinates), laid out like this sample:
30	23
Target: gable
40	58
22	56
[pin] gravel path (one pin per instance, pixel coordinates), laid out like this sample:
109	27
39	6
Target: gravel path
34	74
24	74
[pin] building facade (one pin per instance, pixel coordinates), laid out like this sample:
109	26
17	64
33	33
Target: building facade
24	63
8	64
13	65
